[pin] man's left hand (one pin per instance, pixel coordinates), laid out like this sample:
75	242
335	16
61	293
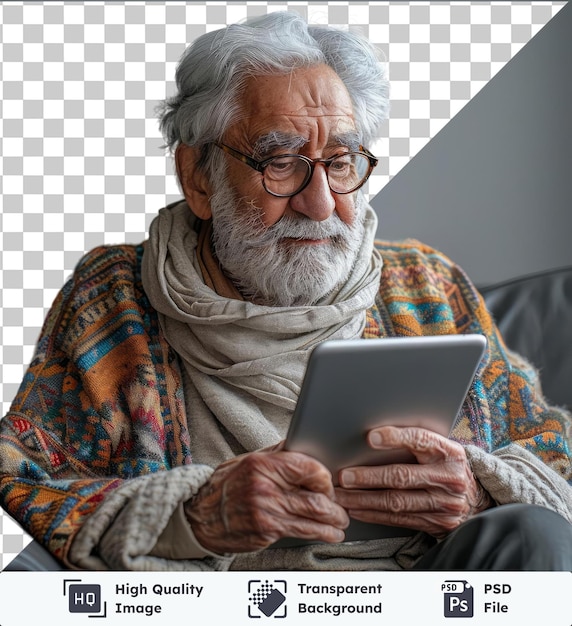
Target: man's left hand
434	495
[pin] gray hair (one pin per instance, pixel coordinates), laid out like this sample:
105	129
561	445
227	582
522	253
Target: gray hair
213	70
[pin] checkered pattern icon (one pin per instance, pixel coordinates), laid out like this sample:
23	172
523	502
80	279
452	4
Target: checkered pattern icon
266	597
81	158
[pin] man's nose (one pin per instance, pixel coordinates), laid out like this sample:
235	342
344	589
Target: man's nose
316	201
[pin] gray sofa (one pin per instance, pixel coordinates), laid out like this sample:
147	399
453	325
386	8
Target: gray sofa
534	314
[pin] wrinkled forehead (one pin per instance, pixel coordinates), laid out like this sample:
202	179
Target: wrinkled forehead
312	103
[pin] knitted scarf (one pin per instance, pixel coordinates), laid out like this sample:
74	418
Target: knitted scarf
243	363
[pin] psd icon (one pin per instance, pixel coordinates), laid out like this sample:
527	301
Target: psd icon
458	598
266	598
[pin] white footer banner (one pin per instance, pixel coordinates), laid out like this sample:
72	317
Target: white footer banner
256	598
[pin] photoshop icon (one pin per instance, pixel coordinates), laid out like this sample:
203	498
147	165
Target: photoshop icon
458	598
267	598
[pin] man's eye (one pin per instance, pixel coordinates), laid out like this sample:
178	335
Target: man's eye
281	168
341	166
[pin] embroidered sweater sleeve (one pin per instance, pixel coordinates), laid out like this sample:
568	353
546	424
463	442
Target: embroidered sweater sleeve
94	452
519	446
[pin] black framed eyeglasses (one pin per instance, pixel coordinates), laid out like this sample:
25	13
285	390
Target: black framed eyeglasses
286	175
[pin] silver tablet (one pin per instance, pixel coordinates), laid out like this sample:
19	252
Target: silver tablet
352	386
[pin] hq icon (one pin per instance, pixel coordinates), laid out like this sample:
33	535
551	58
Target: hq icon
84	598
458	598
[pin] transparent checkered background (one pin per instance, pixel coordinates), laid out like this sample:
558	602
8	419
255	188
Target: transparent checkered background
81	154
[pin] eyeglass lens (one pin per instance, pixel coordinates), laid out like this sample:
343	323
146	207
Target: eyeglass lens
288	174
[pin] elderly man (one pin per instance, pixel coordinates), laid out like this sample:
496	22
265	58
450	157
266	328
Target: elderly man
147	432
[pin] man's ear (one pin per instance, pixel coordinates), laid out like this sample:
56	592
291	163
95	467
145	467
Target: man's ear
194	182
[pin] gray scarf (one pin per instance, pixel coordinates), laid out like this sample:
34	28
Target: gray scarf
243	363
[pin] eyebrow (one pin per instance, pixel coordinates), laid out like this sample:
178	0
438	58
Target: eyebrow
277	140
350	139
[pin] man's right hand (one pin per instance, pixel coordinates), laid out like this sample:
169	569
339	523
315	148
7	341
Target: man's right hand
255	499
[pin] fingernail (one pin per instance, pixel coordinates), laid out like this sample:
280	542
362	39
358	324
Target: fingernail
376	439
347	477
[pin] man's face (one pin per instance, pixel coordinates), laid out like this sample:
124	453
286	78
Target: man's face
309	106
295	250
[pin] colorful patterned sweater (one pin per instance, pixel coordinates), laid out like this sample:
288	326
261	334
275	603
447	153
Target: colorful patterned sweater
101	408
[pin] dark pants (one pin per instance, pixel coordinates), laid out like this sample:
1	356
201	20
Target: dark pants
517	537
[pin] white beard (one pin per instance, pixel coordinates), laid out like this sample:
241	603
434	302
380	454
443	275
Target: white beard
270	270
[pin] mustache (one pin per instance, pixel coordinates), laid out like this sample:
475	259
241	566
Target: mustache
294	227
302	228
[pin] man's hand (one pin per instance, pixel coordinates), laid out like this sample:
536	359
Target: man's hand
435	495
257	498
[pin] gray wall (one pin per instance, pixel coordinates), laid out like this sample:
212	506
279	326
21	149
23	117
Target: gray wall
493	189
